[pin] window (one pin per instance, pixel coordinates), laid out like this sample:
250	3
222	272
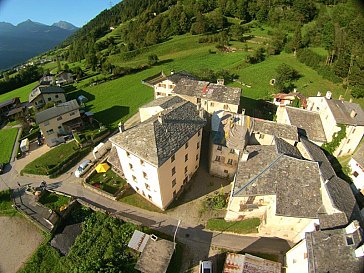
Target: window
127	154
219	148
198	100
217	158
137	188
149	197
353	131
305	256
232	151
348	140
49	99
327	116
355	174
134	178
226	107
349	240
186	157
46	123
145	175
261	136
199	133
211	104
130	166
196	157
174	194
186	145
49	132
143	193
230	162
186	169
173	170
72	114
170	86
173	158
349	151
59	118
196	167
59	127
198	145
226	171
147	186
185	180
141	162
56	96
173	182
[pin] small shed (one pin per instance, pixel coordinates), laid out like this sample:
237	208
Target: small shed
24	145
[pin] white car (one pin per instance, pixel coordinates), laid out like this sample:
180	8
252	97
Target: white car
84	166
205	267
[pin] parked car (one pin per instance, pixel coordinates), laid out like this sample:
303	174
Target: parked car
2	168
205	267
84	166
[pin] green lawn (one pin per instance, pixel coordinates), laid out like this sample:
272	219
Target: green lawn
132	198
5	204
7	140
242	227
109	181
53	201
22	92
55	159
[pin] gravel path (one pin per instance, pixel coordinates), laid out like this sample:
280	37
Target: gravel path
18	240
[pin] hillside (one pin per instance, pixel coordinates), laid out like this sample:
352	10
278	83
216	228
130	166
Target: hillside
28	39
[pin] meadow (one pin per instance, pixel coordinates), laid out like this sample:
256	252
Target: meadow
7	140
22	92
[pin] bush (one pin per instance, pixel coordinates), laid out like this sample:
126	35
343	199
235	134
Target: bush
217	201
328	74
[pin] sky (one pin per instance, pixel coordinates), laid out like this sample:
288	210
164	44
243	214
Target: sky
76	12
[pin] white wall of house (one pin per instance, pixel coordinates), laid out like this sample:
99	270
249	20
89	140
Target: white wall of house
357	174
53	127
160	185
148	112
297	259
223	161
163	89
353	137
43	99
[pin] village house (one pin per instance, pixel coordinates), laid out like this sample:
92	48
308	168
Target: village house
338	250
41	95
59	121
283	99
290	193
337	115
47	80
17	113
63	78
163	85
231	132
161	154
356	165
6	106
309	123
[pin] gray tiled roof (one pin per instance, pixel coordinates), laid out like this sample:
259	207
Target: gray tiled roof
209	91
174	77
276	129
295	182
44	90
155	142
56	111
308	121
359	156
9	102
328	251
164	102
283	147
342	109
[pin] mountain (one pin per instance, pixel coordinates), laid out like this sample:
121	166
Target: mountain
28	39
65	25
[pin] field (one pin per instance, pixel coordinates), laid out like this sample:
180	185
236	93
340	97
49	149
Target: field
21	92
242	227
7	139
6	208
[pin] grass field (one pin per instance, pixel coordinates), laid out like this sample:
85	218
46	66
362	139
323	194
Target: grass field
21	92
6	208
7	139
108	181
242	227
134	199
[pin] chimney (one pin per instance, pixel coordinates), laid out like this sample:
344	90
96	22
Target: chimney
245	156
198	106
328	95
294	90
341	97
160	118
353	113
239	119
319	94
220	82
201	113
121	127
359	252
351	100
352	227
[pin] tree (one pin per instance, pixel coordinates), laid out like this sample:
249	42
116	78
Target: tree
278	41
66	67
153	59
59	67
91	60
285	77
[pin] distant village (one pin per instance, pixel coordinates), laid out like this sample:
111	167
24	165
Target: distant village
278	171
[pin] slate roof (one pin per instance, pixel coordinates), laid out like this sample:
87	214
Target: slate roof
64	240
328	251
16	110
295	182
209	91
164	102
341	110
9	102
56	111
44	90
155	142
309	122
174	77
359	155
276	129
339	190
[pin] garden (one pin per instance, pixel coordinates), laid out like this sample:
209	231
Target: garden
6	208
242	227
108	181
55	202
7	140
57	161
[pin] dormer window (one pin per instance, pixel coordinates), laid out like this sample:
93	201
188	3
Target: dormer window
349	240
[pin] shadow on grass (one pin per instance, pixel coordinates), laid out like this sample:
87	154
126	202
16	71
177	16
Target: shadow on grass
164	61
257	108
74	95
113	114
